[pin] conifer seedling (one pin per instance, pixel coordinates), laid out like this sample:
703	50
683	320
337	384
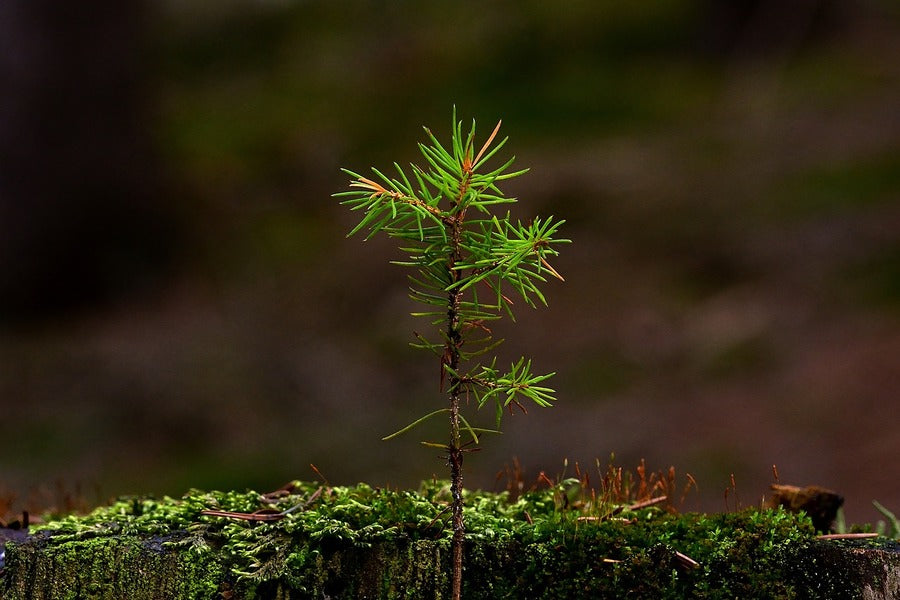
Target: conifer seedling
465	262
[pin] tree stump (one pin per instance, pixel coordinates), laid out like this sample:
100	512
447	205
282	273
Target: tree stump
366	543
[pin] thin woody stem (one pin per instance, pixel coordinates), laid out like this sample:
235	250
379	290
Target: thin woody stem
453	355
455	450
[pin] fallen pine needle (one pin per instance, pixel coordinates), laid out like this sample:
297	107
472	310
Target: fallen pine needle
846	536
265	514
632	507
646	503
686	561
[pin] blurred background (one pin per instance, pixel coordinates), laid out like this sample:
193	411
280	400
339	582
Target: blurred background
179	306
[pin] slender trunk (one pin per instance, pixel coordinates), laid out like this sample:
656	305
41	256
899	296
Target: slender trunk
455	453
459	531
453	345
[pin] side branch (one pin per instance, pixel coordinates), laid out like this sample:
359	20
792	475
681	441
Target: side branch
379	190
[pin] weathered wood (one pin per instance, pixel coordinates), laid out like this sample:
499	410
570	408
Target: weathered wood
179	567
850	570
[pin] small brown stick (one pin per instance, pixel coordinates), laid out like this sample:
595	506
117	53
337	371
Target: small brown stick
608	518
281	492
439	515
648	503
686	561
619	509
632	507
261	515
266	514
846	536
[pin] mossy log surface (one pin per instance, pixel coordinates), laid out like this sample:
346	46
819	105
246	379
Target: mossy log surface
364	543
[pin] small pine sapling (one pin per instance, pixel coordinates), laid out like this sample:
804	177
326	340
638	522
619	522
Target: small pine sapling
464	260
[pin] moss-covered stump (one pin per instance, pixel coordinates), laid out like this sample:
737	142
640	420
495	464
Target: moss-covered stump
360	542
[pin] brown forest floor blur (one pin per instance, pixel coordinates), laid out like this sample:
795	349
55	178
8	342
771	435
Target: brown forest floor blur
733	289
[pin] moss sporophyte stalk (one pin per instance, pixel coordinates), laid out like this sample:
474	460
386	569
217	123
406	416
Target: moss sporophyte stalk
464	260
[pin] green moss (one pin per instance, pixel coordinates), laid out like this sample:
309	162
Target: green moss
360	541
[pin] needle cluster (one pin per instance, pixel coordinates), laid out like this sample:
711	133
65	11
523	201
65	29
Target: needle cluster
464	260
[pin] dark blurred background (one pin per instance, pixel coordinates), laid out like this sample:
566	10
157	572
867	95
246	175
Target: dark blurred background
179	306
